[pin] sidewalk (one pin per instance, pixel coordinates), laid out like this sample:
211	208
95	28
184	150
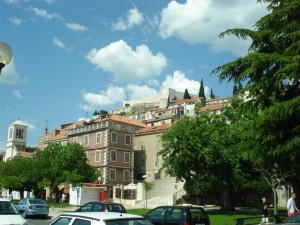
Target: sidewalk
54	212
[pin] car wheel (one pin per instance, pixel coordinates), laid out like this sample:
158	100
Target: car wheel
24	215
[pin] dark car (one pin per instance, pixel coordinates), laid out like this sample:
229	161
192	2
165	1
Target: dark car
178	215
32	207
102	207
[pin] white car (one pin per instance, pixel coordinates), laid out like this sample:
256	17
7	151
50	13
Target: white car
99	218
9	214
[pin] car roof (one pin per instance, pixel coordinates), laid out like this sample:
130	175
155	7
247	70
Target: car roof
4	200
103	203
102	215
180	206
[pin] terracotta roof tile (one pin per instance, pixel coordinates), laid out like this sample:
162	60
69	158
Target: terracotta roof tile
212	107
59	136
154	129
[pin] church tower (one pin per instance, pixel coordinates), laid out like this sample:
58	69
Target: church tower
16	140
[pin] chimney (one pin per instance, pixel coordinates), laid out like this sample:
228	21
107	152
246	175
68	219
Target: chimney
46	130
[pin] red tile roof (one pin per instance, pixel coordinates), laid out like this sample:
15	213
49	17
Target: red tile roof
154	129
212	107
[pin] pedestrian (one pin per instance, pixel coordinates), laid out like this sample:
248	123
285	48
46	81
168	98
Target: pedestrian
264	210
63	200
291	205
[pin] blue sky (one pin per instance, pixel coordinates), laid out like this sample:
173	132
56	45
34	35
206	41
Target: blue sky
72	57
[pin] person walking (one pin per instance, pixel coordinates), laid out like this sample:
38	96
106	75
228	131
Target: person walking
291	205
63	200
264	210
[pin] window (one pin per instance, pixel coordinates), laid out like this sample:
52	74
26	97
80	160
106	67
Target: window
97	156
86	139
156	162
10	132
126	157
113	155
98	137
75	139
127	139
64	143
114	137
157	145
143	146
126	175
112	174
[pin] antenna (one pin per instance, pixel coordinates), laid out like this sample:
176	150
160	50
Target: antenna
87	114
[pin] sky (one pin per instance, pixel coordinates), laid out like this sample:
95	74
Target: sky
72	57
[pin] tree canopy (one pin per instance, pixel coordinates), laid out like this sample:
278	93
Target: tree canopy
271	74
186	94
201	89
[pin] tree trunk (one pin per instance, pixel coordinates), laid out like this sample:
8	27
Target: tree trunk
226	204
275	200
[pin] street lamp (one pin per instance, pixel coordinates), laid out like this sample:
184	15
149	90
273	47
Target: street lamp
5	55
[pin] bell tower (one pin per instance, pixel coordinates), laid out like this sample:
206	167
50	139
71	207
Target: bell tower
16	140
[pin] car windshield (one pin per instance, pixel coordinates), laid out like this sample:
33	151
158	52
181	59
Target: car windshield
128	221
7	208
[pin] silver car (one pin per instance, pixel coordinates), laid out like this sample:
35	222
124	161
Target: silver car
9	214
100	218
32	207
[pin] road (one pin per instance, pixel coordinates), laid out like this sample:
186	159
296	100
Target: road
38	221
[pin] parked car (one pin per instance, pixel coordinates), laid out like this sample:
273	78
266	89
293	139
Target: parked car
178	215
9	214
32	207
99	218
102	207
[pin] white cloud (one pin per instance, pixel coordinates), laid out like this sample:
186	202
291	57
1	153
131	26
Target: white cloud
44	14
180	82
127	64
204	20
9	74
18	94
16	21
76	27
12	1
106	98
133	18
136	92
58	42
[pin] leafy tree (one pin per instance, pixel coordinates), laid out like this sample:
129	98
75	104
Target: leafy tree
103	112
272	74
15	174
95	113
201	90
197	151
186	94
64	164
198	106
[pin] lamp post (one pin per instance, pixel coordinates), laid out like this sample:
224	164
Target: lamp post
5	55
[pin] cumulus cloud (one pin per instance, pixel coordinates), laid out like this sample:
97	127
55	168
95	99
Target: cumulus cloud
10	75
128	64
76	27
44	14
112	95
204	20
137	91
133	18
15	21
58	42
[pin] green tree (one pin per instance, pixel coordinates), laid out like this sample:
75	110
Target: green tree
58	164
15	174
186	94
212	95
271	71
201	90
198	106
197	151
103	112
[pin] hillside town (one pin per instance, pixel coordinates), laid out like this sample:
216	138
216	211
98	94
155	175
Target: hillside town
122	145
